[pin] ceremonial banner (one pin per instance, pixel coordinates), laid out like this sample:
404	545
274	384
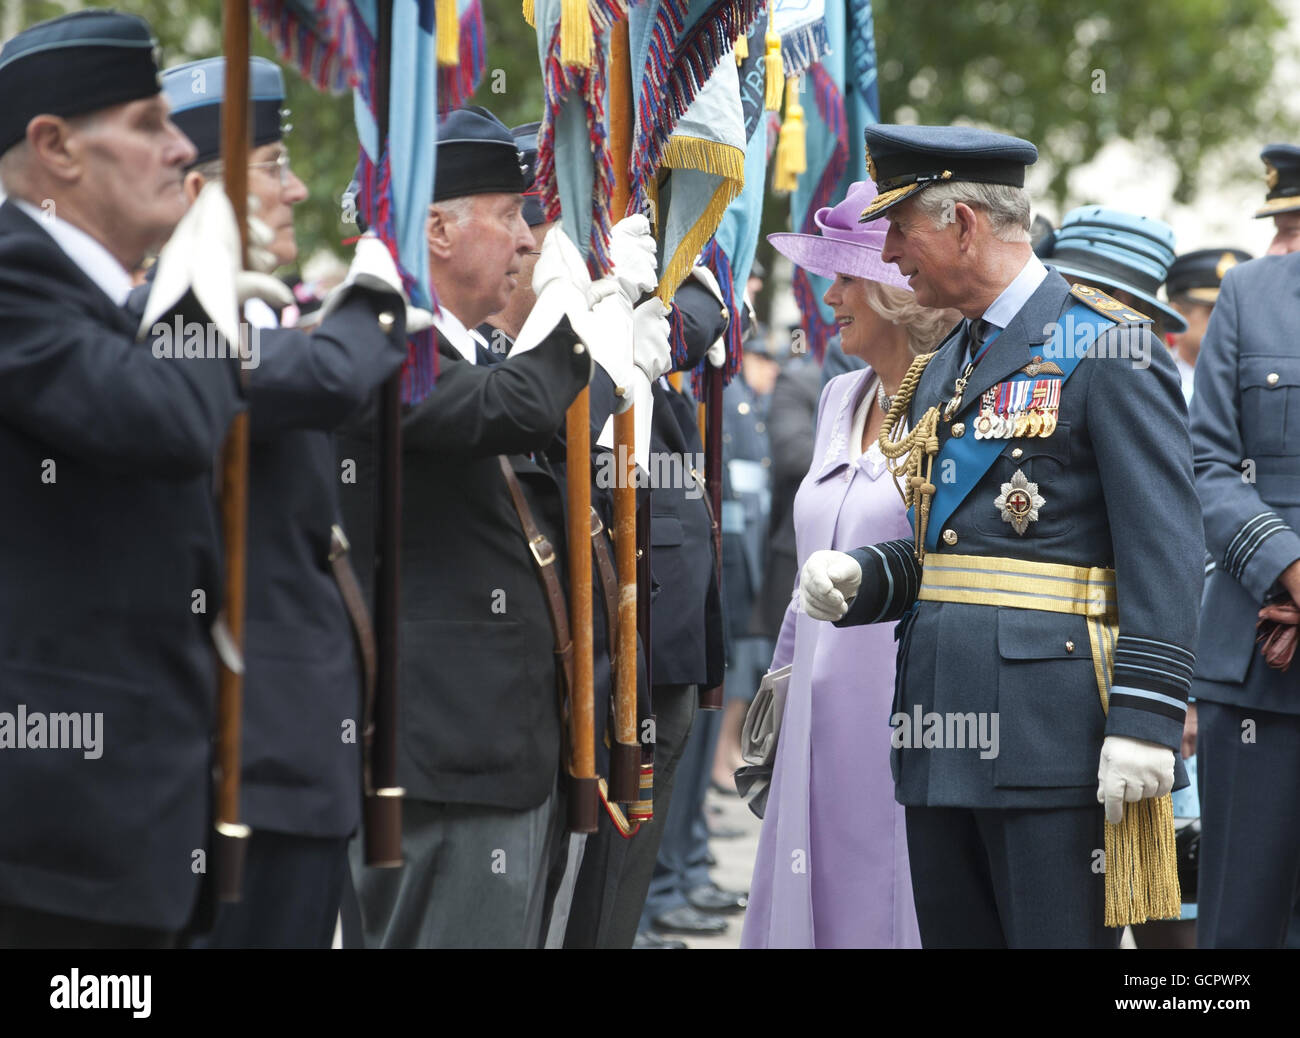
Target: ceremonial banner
801	26
845	102
332	43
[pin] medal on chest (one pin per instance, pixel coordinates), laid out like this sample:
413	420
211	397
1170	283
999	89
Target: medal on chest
1019	502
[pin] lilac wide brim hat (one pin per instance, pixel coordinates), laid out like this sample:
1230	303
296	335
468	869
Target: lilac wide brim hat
844	246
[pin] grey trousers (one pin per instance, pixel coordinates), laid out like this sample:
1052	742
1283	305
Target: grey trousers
474	877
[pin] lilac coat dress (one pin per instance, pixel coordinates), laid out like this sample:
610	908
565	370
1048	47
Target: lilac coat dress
831	869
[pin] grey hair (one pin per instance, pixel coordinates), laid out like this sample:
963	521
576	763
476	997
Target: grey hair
457	210
1007	207
926	327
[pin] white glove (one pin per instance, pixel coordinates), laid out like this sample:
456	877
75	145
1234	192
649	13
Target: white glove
250	284
560	282
632	248
828	582
650	333
717	355
1132	770
203	256
373	268
608	330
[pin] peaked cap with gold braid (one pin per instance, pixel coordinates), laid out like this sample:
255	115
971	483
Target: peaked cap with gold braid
903	160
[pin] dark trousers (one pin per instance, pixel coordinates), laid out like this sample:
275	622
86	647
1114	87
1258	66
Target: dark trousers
293	886
1019	878
1250	825
682	862
28	928
615	874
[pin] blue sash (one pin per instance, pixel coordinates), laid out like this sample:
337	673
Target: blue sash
971	457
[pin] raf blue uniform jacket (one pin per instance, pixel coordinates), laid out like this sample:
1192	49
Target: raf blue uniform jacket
1116	476
1246	433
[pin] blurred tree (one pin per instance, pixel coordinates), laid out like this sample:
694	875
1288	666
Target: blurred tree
1186	76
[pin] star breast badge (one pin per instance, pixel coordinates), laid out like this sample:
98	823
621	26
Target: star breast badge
1019	502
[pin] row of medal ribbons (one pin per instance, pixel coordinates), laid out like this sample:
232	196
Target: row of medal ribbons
1015	409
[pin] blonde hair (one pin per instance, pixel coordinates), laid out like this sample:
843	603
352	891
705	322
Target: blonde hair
926	327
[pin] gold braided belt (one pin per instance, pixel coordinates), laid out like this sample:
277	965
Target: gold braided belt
1141	866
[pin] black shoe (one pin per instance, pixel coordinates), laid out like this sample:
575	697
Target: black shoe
710	898
689	920
649	939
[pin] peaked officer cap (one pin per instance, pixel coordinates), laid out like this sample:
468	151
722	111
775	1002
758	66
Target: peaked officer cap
1198	274
1282	175
903	160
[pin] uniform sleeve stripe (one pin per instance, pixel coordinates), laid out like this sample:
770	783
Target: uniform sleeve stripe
889	576
1153	643
1152	702
1246	543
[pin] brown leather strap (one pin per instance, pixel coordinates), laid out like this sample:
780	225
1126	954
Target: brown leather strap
544	556
609	584
355	604
708	502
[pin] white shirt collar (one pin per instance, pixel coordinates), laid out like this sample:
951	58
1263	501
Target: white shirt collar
95	261
464	339
1016	294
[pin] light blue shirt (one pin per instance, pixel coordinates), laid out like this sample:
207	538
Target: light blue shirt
1016	294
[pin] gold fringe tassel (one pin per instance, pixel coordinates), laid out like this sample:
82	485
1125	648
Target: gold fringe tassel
1141	865
775	70
720	160
448	26
742	48
576	40
529	15
791	154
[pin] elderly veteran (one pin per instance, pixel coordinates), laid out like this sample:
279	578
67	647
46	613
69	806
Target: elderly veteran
1037	593
304	633
108	541
480	739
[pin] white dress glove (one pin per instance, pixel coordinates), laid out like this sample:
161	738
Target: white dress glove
202	255
560	282
650	333
1132	770
372	267
828	582
632	248
717	355
260	237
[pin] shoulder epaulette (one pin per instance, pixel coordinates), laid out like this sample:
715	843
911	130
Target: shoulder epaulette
1096	299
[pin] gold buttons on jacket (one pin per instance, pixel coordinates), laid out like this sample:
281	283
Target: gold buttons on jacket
1272	378
958	430
386	322
1069	646
950	537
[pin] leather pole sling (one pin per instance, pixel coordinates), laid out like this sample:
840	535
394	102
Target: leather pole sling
1141	870
354	604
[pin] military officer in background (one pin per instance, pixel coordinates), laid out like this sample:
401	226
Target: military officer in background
1247	467
305	622
1193	289
1036	563
1282	202
108	538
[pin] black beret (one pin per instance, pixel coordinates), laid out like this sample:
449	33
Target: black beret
477	155
903	160
72	65
1197	275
